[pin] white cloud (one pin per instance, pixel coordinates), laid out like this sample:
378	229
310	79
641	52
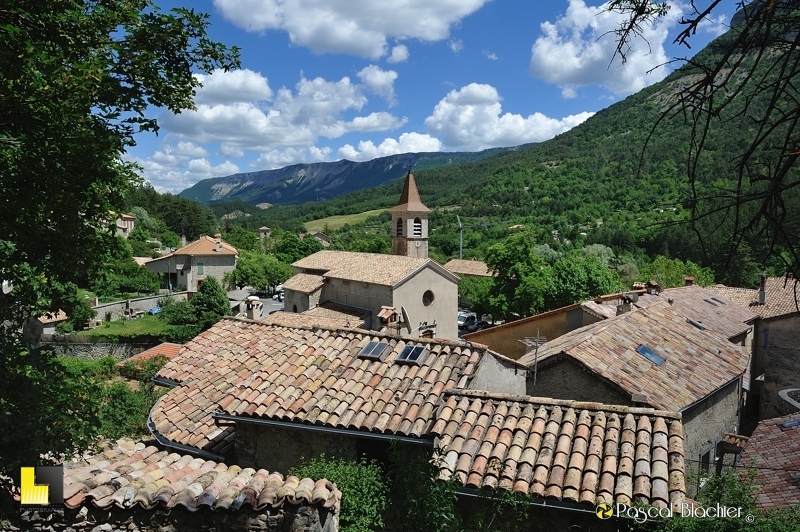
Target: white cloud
168	176
379	81
576	50
358	27
231	151
716	26
189	149
233	86
568	92
203	168
407	143
278	158
292	119
456	45
490	55
399	54
470	119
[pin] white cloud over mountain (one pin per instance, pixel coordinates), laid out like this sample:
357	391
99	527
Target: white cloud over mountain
470	119
577	48
407	143
358	27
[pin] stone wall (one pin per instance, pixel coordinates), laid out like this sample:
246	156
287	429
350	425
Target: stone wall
567	380
496	375
279	449
781	361
288	518
788	401
94	351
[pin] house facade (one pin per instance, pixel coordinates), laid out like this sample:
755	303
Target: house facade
186	267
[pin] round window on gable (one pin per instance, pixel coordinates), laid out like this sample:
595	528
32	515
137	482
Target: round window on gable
427	298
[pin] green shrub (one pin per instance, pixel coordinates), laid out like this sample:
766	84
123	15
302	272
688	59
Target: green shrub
64	327
365	494
123	412
178	313
181	334
143	370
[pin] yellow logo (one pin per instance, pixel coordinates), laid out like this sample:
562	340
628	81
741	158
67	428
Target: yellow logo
50	490
603	510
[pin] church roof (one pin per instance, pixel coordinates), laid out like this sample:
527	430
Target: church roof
409	199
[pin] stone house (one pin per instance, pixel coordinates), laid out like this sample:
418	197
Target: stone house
370	281
264	395
125	223
652	357
776	364
186	267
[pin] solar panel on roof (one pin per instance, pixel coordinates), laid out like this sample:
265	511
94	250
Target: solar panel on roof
373	350
411	353
650	355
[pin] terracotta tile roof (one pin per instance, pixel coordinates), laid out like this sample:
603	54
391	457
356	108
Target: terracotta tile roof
775	451
304	283
565	450
350	317
719	315
53	317
698	362
477	268
129	474
600	310
372	268
205	245
409	198
780	294
141	261
167	349
305	375
293	320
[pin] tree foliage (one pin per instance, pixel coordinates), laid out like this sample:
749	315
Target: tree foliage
259	271
78	79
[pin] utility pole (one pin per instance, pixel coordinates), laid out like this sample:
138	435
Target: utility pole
460	238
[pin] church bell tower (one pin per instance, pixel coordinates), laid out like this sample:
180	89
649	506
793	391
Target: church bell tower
410	222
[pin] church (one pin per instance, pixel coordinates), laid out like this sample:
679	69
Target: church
406	292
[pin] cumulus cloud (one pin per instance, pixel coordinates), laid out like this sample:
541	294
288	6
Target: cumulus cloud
456	45
399	54
407	143
233	86
358	27
291	119
278	158
575	51
490	55
379	81
470	119
173	174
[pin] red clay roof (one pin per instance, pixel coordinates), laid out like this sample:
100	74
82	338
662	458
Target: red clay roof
780	294
128	474
374	268
304	375
168	349
775	452
565	450
477	268
205	245
698	362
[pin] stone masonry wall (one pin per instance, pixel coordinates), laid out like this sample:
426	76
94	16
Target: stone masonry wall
280	449
566	380
117	309
782	362
288	518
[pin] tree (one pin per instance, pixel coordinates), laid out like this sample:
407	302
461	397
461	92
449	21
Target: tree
259	270
290	248
210	303
521	277
749	76
79	76
672	273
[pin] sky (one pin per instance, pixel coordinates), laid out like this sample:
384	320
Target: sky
324	80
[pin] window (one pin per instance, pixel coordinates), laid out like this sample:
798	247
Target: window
373	350
199	268
705	461
650	355
710	302
427	298
721	302
695	324
411	354
417	227
399	227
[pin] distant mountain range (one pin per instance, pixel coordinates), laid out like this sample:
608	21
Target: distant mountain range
301	183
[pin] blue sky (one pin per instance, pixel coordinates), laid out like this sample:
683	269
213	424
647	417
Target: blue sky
323	80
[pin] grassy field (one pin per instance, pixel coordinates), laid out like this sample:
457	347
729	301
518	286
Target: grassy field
145	326
335	222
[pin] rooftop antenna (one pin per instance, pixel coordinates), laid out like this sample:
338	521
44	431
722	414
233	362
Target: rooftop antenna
534	343
460	238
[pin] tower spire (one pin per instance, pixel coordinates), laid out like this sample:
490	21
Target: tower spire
410	222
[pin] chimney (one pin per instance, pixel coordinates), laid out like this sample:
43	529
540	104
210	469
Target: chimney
762	290
183	240
218	241
688	280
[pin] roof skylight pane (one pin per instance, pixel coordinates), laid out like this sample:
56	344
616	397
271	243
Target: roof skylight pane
411	353
695	324
710	302
373	350
721	302
650	355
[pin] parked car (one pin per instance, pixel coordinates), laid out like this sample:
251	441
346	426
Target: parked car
477	326
278	296
466	318
155	310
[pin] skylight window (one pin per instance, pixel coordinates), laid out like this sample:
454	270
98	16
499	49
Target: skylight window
710	302
373	350
721	302
650	355
790	424
695	324
411	354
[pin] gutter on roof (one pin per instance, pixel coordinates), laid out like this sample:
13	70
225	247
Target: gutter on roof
534	501
151	426
318	428
161	381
